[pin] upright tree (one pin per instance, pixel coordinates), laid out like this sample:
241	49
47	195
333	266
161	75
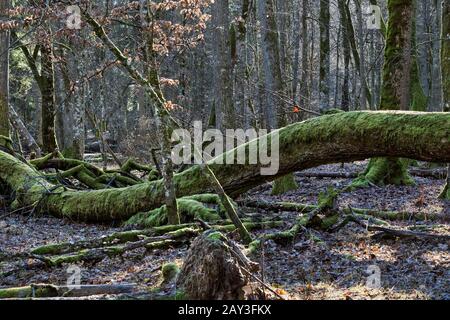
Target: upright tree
445	62
223	75
324	81
445	53
401	89
4	71
273	81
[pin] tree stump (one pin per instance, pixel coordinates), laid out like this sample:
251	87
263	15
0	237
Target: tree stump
214	269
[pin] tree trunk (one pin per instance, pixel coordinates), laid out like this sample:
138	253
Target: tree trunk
401	89
445	54
274	81
324	85
355	53
435	101
47	87
304	91
350	136
362	55
72	142
26	138
345	99
223	86
4	72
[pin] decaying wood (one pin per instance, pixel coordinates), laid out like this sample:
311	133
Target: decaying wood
48	290
211	257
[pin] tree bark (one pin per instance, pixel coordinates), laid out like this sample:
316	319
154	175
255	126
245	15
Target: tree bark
4	72
401	89
324	86
27	139
445	53
47	87
334	138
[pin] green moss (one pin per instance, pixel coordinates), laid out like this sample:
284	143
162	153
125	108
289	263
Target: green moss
6	142
445	194
328	222
384	171
189	209
19	292
47	249
254	246
326	200
216	236
181	233
332	111
284	184
170	271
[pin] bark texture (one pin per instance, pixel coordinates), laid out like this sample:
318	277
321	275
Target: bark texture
4	73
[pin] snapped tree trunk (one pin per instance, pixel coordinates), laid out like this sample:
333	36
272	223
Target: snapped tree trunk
334	138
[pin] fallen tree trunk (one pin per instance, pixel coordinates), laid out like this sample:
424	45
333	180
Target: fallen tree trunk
49	290
328	139
424	173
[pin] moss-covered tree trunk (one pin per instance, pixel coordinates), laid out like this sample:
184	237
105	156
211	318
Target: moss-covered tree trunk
401	89
334	138
4	72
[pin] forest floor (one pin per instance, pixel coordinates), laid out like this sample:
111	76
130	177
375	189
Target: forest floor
317	265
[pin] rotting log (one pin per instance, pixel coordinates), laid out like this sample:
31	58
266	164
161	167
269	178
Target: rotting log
327	139
306	208
49	290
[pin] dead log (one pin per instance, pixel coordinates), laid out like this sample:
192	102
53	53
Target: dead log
306	208
334	138
49	291
424	173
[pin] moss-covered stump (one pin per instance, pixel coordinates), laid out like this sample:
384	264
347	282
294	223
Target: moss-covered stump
284	184
385	171
214	269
